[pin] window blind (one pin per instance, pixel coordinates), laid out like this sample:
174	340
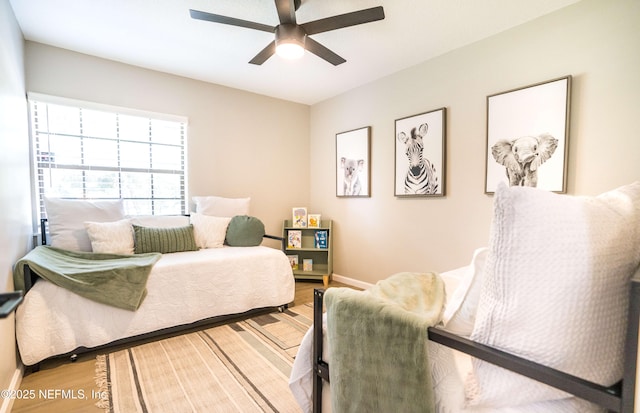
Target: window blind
90	151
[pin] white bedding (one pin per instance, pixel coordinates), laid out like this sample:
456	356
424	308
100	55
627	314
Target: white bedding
449	369
183	287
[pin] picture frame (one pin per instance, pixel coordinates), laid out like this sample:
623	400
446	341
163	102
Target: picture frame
532	120
314	221
299	217
423	173
353	163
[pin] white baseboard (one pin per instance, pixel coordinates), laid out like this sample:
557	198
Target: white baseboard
351	281
7	403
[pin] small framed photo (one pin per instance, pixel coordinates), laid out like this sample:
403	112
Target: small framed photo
527	136
314	221
420	154
353	169
299	217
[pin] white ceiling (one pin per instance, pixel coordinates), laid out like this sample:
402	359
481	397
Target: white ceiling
160	35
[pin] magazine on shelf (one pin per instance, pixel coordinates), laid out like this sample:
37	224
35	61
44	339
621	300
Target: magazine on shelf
293	260
294	238
313	221
321	238
307	264
299	217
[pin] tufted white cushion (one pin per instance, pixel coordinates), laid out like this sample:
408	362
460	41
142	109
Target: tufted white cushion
111	237
221	207
555	289
66	218
460	315
209	231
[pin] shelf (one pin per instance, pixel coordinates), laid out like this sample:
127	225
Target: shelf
318	269
307	228
306	238
9	302
309	277
314	273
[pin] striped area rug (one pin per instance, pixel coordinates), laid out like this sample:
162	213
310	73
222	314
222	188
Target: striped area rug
243	367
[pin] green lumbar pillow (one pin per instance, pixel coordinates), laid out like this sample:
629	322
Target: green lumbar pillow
244	231
164	240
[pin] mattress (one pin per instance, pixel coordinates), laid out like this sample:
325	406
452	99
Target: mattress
183	288
449	369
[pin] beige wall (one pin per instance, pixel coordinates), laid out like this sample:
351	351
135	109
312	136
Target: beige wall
595	41
239	144
282	154
15	200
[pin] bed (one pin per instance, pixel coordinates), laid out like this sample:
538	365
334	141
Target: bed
554	297
184	289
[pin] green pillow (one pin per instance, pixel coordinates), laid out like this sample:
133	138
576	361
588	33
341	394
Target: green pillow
163	240
244	231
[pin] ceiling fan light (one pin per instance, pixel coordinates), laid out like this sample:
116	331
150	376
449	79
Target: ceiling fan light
290	41
290	50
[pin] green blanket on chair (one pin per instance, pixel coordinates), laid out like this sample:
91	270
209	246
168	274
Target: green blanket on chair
378	341
116	280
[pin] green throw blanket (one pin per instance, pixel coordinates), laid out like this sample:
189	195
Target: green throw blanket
378	341
116	280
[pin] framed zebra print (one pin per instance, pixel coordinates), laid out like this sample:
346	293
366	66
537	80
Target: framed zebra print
420	154
527	136
353	170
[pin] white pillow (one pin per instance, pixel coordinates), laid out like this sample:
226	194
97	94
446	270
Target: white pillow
160	221
460	314
555	289
209	231
221	207
66	218
111	237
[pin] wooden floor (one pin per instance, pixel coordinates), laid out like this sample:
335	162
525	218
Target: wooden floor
63	386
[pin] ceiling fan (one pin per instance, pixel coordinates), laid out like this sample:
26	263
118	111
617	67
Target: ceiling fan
293	37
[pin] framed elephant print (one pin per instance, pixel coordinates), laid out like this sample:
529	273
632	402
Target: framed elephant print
420	154
353	163
527	136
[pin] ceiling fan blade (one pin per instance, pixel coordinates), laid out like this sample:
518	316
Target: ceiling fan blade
264	54
344	20
322	52
216	18
286	11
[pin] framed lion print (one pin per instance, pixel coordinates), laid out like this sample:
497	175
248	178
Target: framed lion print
527	136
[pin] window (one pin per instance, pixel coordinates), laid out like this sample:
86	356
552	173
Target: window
89	151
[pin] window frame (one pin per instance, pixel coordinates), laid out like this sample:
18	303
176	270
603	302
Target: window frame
38	191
